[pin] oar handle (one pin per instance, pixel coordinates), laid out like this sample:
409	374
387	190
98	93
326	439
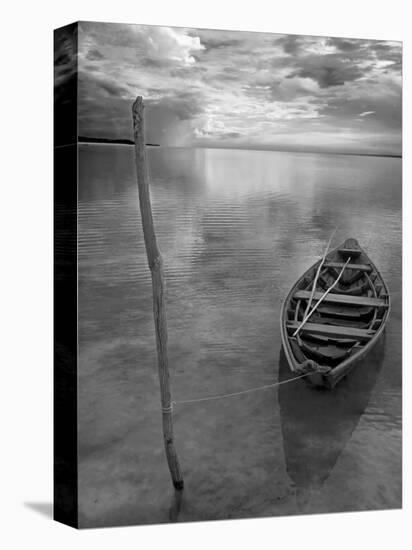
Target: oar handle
315	280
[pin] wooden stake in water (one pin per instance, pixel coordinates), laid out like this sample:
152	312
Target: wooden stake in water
159	306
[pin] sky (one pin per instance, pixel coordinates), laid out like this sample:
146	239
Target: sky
213	88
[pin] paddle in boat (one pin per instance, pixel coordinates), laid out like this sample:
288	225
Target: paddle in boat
334	314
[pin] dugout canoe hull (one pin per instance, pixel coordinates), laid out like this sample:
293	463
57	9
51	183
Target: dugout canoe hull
347	323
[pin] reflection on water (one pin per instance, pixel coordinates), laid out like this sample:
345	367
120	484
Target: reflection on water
317	424
236	229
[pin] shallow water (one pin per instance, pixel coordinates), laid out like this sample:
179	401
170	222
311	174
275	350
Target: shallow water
236	229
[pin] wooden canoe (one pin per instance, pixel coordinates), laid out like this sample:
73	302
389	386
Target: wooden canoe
346	323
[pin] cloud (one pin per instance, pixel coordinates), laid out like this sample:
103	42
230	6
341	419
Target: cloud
157	45
65	58
290	43
345	44
112	89
232	134
213	40
105	111
294	87
94	55
329	70
186	106
217	87
165	43
163	126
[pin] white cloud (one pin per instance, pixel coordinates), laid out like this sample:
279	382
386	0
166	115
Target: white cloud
168	43
366	113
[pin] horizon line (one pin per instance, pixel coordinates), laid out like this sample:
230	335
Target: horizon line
126	141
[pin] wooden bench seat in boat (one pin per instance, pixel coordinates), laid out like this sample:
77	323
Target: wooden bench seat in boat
332	330
359	267
321	339
346	299
352	252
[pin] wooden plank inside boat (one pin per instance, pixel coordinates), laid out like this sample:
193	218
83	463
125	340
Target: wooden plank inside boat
342	299
359	267
352	252
332	330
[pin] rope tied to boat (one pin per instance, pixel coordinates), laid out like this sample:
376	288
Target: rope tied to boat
233	394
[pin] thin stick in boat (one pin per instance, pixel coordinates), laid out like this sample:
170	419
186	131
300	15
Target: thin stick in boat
321	299
315	280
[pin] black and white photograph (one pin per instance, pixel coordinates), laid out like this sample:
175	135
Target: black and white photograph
239	272
228	274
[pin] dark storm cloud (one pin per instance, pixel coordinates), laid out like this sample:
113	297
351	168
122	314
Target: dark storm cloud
344	44
328	70
103	116
104	109
98	86
388	50
291	44
214	42
94	55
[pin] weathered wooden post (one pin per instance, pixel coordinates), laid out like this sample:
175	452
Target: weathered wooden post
159	306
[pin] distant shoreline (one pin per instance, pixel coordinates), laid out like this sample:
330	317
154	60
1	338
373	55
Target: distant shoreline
82	139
